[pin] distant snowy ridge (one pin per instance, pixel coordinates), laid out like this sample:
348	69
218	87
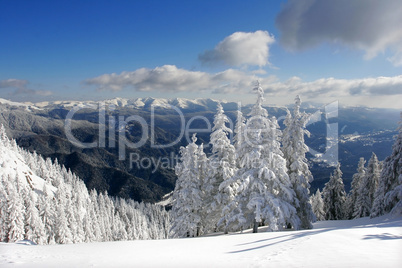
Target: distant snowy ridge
136	103
25	106
147	103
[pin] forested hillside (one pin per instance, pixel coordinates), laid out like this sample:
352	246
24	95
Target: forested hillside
43	202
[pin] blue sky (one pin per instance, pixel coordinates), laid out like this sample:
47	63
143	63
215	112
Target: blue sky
349	51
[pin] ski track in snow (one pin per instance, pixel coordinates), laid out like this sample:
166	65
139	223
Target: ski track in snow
358	243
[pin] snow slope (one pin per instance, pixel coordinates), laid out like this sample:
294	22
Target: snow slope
12	164
358	243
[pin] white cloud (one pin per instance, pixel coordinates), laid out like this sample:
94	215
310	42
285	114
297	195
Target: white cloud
331	87
165	78
13	83
169	78
240	49
396	59
371	25
20	87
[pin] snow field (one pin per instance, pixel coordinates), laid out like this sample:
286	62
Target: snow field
356	243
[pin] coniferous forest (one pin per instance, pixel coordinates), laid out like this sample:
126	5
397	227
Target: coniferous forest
262	179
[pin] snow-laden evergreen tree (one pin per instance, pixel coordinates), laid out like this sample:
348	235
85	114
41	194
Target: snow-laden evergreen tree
222	166
106	211
94	214
90	224
334	196
34	227
317	204
294	150
72	223
187	204
63	233
395	196
355	186
238	138
76	207
15	211
388	195
363	201
264	193
373	172
3	137
367	189
230	185
3	207
209	219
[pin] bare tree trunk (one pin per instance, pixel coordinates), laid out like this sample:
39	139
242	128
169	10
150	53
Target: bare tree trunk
255	227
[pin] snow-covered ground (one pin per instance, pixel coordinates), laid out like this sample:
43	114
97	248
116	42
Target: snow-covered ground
358	243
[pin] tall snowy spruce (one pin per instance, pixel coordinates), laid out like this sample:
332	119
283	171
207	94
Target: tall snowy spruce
187	207
367	188
222	166
15	211
388	197
34	227
239	136
334	196
264	193
229	186
355	188
294	150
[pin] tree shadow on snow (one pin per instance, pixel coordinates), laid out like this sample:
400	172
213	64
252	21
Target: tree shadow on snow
384	236
292	236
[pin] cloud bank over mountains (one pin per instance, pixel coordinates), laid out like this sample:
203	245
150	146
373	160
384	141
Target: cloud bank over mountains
169	78
369	25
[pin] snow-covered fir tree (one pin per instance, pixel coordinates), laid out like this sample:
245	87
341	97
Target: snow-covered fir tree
355	187
367	189
222	166
388	196
264	194
373	173
334	196
208	219
238	138
63	233
187	207
317	204
34	227
3	209
15	212
294	150
47	213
